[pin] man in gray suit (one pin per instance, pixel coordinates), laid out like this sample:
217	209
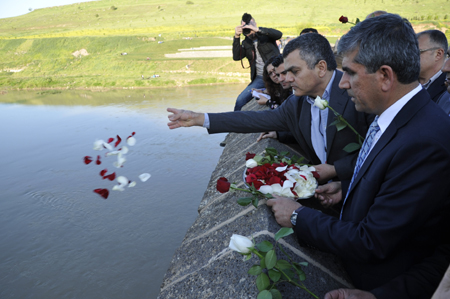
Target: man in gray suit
311	70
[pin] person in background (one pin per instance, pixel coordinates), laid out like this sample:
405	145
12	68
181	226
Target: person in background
258	46
308	30
444	100
433	46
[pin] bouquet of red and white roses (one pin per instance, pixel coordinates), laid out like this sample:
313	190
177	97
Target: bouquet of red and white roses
274	173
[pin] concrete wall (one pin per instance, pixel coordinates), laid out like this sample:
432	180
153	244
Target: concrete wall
204	267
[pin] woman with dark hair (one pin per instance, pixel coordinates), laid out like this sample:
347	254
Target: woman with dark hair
273	88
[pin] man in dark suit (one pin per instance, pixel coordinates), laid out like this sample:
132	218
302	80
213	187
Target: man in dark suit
433	47
444	99
312	59
258	46
395	208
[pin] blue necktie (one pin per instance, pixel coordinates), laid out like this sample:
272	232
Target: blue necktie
365	149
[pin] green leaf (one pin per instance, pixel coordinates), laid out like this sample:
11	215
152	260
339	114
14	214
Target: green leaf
268	195
262	282
245	201
274	275
271	259
276	294
351	147
357	21
300	272
258	158
283	264
262	263
264	246
271	151
255	270
284	154
264	295
302	264
288	274
283	232
255	201
247	257
334	122
341	125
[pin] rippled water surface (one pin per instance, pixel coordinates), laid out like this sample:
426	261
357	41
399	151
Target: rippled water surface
61	240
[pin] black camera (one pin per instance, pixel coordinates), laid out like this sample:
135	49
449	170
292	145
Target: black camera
246	18
246	31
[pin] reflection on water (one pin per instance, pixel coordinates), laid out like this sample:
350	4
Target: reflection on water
61	240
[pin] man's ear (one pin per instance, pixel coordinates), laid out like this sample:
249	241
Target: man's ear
440	53
321	67
386	77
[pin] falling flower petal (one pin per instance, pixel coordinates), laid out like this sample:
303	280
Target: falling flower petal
103	172
112	153
110	177
98	145
123	181
124	150
107	146
118	188
110	140
120	160
144	177
118	141
131	141
132	134
132	184
102	192
87	160
98	162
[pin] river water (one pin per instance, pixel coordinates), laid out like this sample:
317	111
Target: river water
59	239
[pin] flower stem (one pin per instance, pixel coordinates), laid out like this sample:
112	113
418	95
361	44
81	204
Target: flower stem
346	122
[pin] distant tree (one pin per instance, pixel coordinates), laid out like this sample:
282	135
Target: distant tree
113	8
189	2
30	9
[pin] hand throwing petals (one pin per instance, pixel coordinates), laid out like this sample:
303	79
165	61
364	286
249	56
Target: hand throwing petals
144	177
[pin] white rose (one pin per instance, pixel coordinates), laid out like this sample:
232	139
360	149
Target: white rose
321	104
240	244
250	163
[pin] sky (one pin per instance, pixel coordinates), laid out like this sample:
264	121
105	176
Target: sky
14	8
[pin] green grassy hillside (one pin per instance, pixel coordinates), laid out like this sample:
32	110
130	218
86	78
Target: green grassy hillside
37	48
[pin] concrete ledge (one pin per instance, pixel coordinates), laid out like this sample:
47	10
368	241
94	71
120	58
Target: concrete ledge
204	267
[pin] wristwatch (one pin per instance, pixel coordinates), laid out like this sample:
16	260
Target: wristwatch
294	215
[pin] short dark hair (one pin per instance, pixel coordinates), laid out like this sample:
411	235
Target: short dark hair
246	17
436	37
308	30
385	40
277	60
313	48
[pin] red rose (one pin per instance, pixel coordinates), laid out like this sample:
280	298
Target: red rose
257	184
274	180
343	19
223	185
251	178
249	156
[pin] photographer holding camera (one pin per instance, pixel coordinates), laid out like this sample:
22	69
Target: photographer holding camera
258	46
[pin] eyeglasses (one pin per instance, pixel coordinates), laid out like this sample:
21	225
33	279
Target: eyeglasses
430	49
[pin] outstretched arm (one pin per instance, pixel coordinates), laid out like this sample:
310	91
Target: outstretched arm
184	118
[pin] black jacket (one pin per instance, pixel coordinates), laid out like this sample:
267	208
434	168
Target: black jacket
267	47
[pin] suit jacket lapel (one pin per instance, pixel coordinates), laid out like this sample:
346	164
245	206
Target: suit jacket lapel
305	123
338	100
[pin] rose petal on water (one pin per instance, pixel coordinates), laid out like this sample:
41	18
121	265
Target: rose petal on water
144	177
103	172
132	184
124	150
113	153
98	145
98	162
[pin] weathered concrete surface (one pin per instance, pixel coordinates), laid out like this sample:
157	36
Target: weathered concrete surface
204	267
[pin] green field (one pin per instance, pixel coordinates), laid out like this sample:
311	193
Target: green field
37	48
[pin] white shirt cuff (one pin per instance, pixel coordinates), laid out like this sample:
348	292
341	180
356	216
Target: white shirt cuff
206	122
